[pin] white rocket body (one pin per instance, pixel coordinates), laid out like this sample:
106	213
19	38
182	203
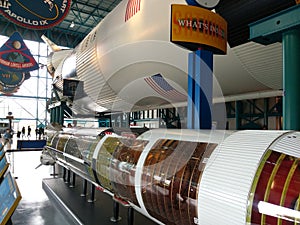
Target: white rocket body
119	53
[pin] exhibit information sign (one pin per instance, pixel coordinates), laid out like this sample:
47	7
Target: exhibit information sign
9	197
2	153
194	27
3	166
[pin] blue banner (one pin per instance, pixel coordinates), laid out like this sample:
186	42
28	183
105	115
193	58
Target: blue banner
15	56
11	79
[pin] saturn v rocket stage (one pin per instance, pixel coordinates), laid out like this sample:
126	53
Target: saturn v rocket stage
128	52
189	176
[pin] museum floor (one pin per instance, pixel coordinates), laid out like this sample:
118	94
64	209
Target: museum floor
35	207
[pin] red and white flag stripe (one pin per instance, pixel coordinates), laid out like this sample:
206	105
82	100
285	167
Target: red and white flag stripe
164	89
133	6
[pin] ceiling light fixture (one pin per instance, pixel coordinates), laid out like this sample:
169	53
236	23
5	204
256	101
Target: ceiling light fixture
72	24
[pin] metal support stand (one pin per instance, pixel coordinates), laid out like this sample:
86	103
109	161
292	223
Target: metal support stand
54	174
130	216
284	26
72	184
92	194
291	79
84	188
238	109
64	174
68	177
116	216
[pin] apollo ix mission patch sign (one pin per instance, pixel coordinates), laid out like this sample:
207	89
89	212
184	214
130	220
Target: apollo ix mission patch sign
35	14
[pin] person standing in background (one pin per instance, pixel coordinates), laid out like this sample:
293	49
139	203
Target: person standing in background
29	132
18	134
41	133
23	132
7	136
36	133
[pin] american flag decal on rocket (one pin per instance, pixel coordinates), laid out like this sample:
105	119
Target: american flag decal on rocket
164	89
133	6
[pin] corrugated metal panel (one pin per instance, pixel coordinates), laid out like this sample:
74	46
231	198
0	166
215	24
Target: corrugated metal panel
288	144
264	63
95	84
228	177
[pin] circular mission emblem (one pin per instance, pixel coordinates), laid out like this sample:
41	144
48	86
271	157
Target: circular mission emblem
11	79
37	14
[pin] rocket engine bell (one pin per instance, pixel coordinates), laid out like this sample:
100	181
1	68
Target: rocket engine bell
190	176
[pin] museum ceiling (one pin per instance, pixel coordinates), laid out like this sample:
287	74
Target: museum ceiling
82	17
86	14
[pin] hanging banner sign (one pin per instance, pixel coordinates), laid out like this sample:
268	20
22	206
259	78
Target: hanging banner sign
9	91
10	82
11	79
194	27
15	56
37	14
